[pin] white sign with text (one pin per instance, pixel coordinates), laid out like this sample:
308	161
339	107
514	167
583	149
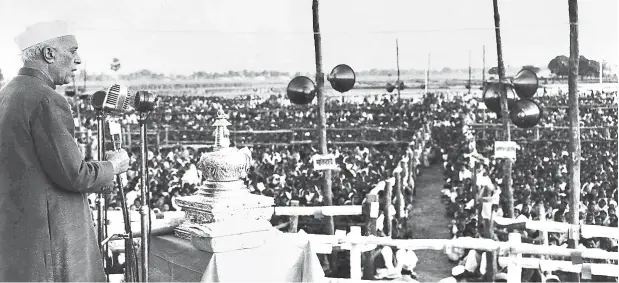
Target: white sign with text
505	149
325	162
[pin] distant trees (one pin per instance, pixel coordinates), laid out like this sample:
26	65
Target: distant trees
559	66
531	68
493	71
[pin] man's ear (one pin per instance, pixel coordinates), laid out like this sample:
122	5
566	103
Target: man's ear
49	54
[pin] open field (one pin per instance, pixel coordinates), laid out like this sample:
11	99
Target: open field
363	87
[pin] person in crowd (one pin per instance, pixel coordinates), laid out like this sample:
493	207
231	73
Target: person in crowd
45	221
458	274
540	174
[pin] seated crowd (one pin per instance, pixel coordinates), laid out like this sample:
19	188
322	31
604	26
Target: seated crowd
284	170
540	176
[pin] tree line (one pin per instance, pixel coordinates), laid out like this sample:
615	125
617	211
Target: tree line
559	66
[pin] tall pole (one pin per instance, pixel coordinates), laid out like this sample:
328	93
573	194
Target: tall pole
397	58
573	113
427	74
470	75
85	75
483	70
320	86
601	70
507	179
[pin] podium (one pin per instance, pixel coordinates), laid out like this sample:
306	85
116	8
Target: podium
176	260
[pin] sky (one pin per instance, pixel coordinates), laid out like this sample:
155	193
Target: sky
184	36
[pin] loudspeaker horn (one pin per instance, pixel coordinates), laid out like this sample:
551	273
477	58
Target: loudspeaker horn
390	87
301	90
342	78
492	97
525	83
70	91
526	113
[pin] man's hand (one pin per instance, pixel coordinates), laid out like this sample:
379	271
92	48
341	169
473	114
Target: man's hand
119	159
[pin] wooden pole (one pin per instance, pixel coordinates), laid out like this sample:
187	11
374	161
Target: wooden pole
470	74
507	179
85	76
427	74
573	115
601	75
320	85
483	72
491	265
397	58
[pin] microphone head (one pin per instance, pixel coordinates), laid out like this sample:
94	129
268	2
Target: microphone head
97	98
145	101
117	99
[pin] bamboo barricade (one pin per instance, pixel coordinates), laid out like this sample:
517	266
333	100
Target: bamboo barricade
403	177
585	231
510	252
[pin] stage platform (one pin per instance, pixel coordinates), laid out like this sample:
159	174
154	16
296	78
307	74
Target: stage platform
177	260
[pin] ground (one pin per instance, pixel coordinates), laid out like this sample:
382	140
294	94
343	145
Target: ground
428	221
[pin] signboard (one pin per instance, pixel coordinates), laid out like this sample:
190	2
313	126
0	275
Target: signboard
324	162
505	149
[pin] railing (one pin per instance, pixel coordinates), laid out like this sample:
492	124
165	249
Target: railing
511	252
161	138
609	132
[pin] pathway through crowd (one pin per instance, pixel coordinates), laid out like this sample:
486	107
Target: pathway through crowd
427	218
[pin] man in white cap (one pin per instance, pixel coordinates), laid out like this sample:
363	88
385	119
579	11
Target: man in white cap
46	225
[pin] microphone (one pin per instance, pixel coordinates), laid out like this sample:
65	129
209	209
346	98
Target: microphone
117	99
145	101
96	100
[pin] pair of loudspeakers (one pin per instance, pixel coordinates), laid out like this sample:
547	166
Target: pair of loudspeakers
391	87
302	90
524	112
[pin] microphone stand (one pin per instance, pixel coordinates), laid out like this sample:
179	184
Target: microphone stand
102	209
130	259
144	209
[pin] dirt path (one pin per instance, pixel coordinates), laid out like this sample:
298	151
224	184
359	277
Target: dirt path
429	222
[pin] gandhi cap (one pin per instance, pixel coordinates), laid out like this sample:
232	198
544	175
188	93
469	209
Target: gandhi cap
41	32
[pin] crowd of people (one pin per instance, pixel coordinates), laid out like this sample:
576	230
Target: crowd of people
541	189
281	169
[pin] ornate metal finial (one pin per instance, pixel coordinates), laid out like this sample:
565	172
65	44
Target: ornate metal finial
221	133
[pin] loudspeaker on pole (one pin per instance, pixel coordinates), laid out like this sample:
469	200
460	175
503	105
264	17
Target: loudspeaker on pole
301	90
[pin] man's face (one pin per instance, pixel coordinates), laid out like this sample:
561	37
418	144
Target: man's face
65	61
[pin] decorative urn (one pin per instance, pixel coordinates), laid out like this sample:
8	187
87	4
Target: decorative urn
223	215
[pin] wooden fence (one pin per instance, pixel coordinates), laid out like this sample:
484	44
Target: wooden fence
510	252
404	175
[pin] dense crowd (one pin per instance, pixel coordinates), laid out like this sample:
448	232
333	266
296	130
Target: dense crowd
540	176
282	161
280	169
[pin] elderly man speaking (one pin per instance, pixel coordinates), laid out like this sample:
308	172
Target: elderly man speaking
46	227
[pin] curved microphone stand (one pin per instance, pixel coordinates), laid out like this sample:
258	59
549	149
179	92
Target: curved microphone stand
130	255
102	207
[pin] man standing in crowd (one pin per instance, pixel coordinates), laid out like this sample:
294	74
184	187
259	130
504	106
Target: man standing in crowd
46	225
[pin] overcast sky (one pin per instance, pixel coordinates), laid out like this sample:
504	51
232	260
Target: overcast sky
182	36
